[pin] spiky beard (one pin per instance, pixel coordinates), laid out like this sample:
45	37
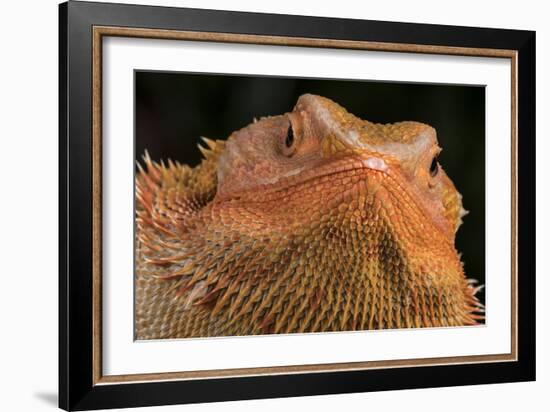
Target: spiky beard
337	254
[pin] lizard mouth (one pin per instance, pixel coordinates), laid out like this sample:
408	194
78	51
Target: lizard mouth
325	170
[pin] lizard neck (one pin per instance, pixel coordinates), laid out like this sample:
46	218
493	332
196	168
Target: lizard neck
296	261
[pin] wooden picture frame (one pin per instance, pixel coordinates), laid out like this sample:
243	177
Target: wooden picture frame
82	383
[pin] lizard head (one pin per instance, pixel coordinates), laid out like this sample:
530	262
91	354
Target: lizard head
320	138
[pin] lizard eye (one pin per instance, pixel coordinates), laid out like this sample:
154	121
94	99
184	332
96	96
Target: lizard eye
289	141
434	167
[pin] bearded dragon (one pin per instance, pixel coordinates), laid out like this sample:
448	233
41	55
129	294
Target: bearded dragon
312	221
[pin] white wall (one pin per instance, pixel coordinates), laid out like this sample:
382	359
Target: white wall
28	203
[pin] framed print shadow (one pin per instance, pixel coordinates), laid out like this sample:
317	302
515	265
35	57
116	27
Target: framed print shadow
257	205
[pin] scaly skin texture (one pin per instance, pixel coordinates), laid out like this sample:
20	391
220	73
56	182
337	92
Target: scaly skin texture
307	222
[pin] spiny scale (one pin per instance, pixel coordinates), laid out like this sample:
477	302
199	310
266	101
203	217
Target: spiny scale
201	271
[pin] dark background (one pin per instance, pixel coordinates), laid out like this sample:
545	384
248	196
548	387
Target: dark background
174	109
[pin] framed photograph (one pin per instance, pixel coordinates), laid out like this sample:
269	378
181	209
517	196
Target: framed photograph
257	205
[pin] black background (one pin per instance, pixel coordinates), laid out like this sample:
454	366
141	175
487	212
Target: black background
174	109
